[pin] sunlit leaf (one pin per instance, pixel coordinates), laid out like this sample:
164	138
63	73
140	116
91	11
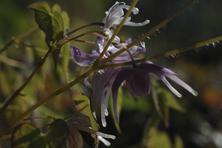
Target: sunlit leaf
27	135
157	139
65	59
56	8
82	101
65	18
178	142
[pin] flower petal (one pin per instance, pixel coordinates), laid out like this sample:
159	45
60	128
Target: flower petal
124	73
81	58
138	84
163	72
99	82
183	84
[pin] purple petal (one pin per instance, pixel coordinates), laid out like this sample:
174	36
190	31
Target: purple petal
122	75
99	82
183	84
163	72
138	84
156	69
135	50
81	58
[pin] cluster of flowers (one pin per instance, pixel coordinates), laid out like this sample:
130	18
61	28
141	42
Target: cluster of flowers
137	77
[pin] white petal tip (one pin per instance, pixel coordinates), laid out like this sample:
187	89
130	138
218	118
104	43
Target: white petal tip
104	141
106	112
103	121
195	93
135	11
147	22
179	95
104	124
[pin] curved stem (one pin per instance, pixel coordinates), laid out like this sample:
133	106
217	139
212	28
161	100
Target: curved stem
148	33
90	32
59	91
16	38
17	92
91	24
166	54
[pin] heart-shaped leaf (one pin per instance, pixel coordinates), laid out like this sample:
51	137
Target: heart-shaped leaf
65	59
51	23
28	136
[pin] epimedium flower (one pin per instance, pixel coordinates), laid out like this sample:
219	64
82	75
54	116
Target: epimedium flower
104	78
112	19
138	81
137	77
84	59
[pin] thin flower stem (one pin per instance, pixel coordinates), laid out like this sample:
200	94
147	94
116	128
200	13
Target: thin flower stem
88	42
90	32
115	33
173	52
148	33
76	112
45	126
91	24
17	38
42	117
17	92
12	62
30	110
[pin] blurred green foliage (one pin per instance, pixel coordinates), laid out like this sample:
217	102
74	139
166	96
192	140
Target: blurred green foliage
198	127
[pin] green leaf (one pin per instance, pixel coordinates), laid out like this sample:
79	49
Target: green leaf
171	100
82	101
50	23
56	8
153	121
28	136
157	139
178	142
163	99
65	59
65	18
160	104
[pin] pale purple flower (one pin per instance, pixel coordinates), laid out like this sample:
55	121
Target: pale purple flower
113	18
84	59
137	82
137	77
